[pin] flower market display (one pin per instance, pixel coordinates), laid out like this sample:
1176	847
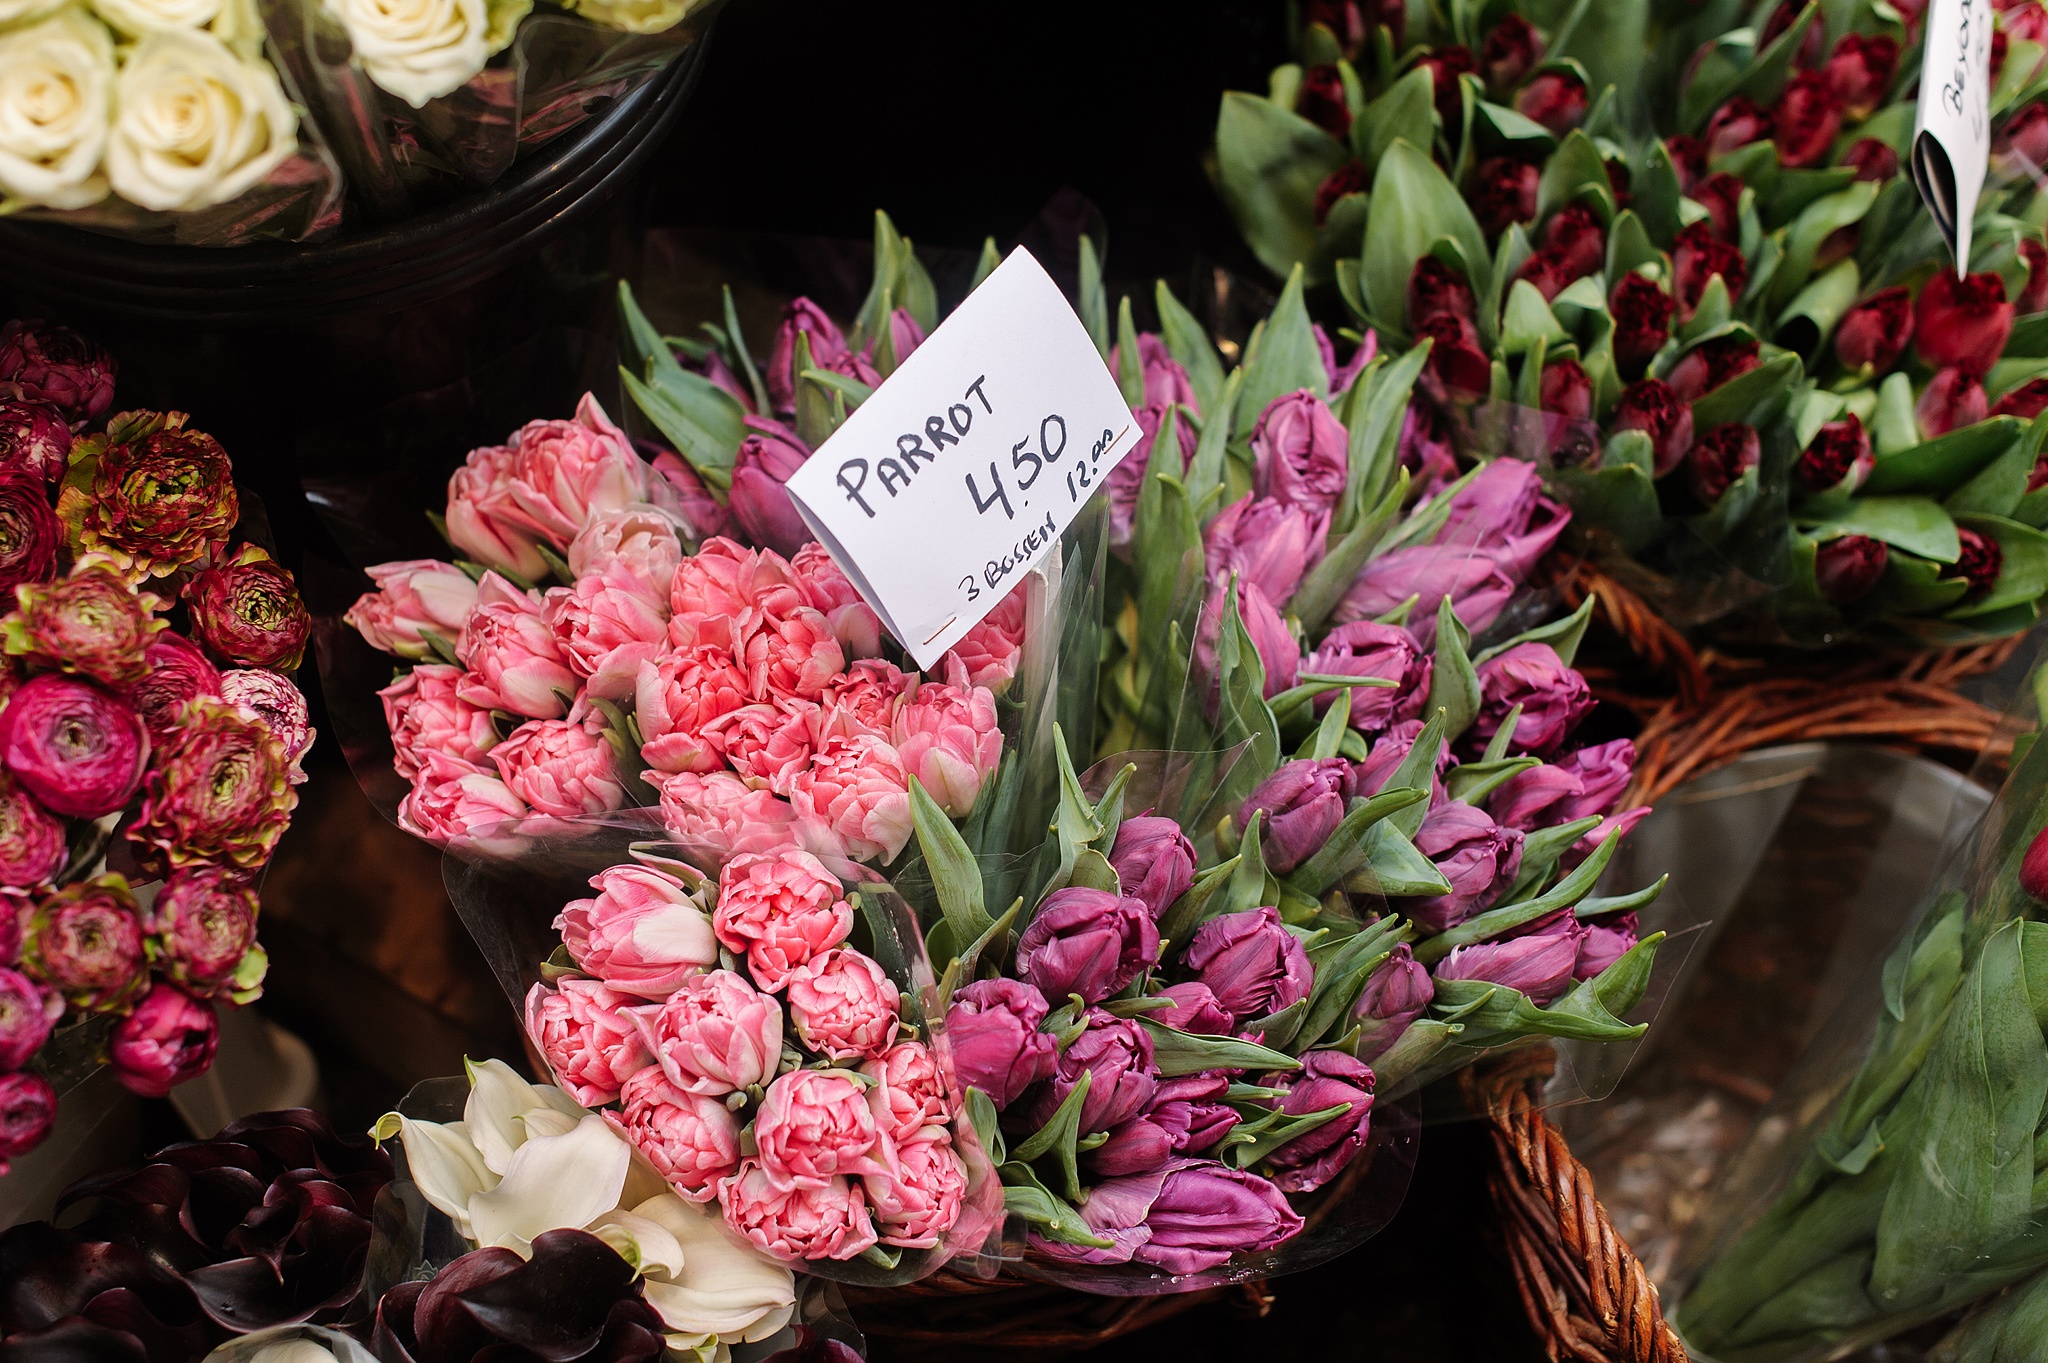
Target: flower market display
1738	345
150	734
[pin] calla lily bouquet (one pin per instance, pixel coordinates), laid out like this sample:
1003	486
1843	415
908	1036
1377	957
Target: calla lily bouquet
185	742
1731	345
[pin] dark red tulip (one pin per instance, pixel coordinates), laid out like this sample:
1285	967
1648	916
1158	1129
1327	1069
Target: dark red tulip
2034	867
1875	331
1810	46
1837	246
1978	564
1349	178
1435	289
1548	271
1859	72
1806	121
2026	20
1954	398
1456	359
1719	458
1838	456
1577	236
1650	406
1445	65
2026	402
1710	364
1503	192
1511	48
2034	297
1962	321
1696	257
1642	321
1998	47
1566	390
1556	99
1737	123
2022	144
1721	196
1344	19
1848	567
1688	158
1322	101
1873	160
1618	180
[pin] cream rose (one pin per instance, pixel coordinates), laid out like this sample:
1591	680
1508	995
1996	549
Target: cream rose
56	98
137	17
417	49
20	11
635	16
195	125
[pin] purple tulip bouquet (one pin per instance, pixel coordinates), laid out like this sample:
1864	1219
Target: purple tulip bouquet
184	741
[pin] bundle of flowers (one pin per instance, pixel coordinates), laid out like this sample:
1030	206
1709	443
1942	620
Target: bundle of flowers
185	745
263	1227
1734	344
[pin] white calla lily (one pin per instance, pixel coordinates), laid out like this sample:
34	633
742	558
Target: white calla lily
726	1286
444	1163
641	1241
553	1182
501	1104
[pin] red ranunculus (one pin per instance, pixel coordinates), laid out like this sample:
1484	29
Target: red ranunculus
1962	321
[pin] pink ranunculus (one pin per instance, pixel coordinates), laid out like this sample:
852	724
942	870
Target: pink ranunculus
678	700
842	1005
725	592
951	741
769	744
513	660
828	591
482	520
768	456
561	767
27	1013
644	539
608	625
28	1109
169	1038
909	1093
915	1206
797	1223
720	816
793	655
413	598
279	704
782	909
716	1033
562	473
77	747
679	484
32	852
994	649
450	797
815	1126
179	670
858	788
692	1139
865	701
426	715
586	1034
643	934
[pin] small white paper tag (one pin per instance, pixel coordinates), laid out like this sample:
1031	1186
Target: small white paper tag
949	484
1952	123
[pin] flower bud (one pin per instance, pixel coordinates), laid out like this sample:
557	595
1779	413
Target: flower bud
1397	993
1737	123
1859	72
1539	962
1154	862
1117	1055
53	364
27	1013
1696	257
1251	963
1512	46
1873	160
1953	398
1642	321
413	598
1578	238
1347	179
1547	271
1267	543
1721	196
1838	458
1847	567
168	1039
1365	648
32	850
1322	102
1087	942
1552	695
1874	333
828	347
1503	193
1556	99
28	1109
1566	390
1445	65
1195	1009
1301	455
1720	458
1688	159
768	457
2026	402
2034	867
1479	858
1710	364
1456	359
1303	802
1476	583
2021	146
1962	321
1979	563
1325	1080
1806	121
34	438
992	1028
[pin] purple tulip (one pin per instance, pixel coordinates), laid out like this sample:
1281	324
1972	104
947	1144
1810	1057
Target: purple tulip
768	457
905	335
1398	993
1539	962
1187	1115
1425	448
1613	826
1429	572
1087	942
1366	649
1153	861
1530	800
1343	376
1303	803
1553	697
828	348
997	1047
1251	962
1325	1079
1301	455
1127	479
1503	512
1165	380
1195	1009
1372	775
1117	1054
1607	940
1278	653
1190	1216
1265	542
27	1013
1478	856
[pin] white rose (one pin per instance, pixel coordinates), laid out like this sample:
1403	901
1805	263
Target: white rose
136	17
417	49
56	99
195	125
20	11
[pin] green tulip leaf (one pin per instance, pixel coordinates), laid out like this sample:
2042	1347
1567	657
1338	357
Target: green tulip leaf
1939	466
1413	207
1916	524
1269	164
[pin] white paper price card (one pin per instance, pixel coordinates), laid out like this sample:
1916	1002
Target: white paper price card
955	477
1952	123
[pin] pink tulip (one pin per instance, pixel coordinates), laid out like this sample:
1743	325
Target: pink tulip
483	521
915	1205
1165	380
450	797
797	1223
828	591
1265	542
679	699
791	656
827	343
426	714
1300	453
719	816
168	1039
993	650
782	909
561	767
769	744
608	625
513	660
842	1005
908	1093
815	1126
412	598
643	538
951	740
693	1140
643	934
586	1035
716	1033
858	788
563	473
864	701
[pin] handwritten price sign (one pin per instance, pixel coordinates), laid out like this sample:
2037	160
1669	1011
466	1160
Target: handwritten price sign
1952	121
957	476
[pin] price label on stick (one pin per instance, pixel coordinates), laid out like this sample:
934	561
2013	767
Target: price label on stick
1952	123
955	478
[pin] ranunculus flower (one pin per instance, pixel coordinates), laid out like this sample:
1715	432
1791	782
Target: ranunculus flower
1274	643
46	363
1539	962
643	933
828	591
1118	1054
915	1204
1710	364
1503	193
768	457
1847	567
907	1093
425	714
1874	333
794	1224
1325	1080
451	796
716	1033
1303	802
27	1013
950	739
247	610
828	348
814	1126
29	530
1195	1009
1953	398
1476	855
721	816
1512	46
1607	940
513	657
28	1109
168	1039
1165	380
32	844
1127	479
161	495
1429	572
1806	120
53	144
1187	1217
1321	101
1252	964
692	1139
843	1005
782	909
1979	563
1556	99
90	622
1872	160
1300	454
1963	321
992	1027
1642	321
1696	257
564	473
1719	458
483	521
858	788
1651	406
280	705
202	929
1859	72
1837	458
86	942
413	598
1553	697
1087	942
219	790
562	767
1397	993
1266	542
608	626
1153	860
1737	123
643	538
77	748
586	1034
34	437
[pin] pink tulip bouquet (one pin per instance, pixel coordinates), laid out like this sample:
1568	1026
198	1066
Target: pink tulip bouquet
150	735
